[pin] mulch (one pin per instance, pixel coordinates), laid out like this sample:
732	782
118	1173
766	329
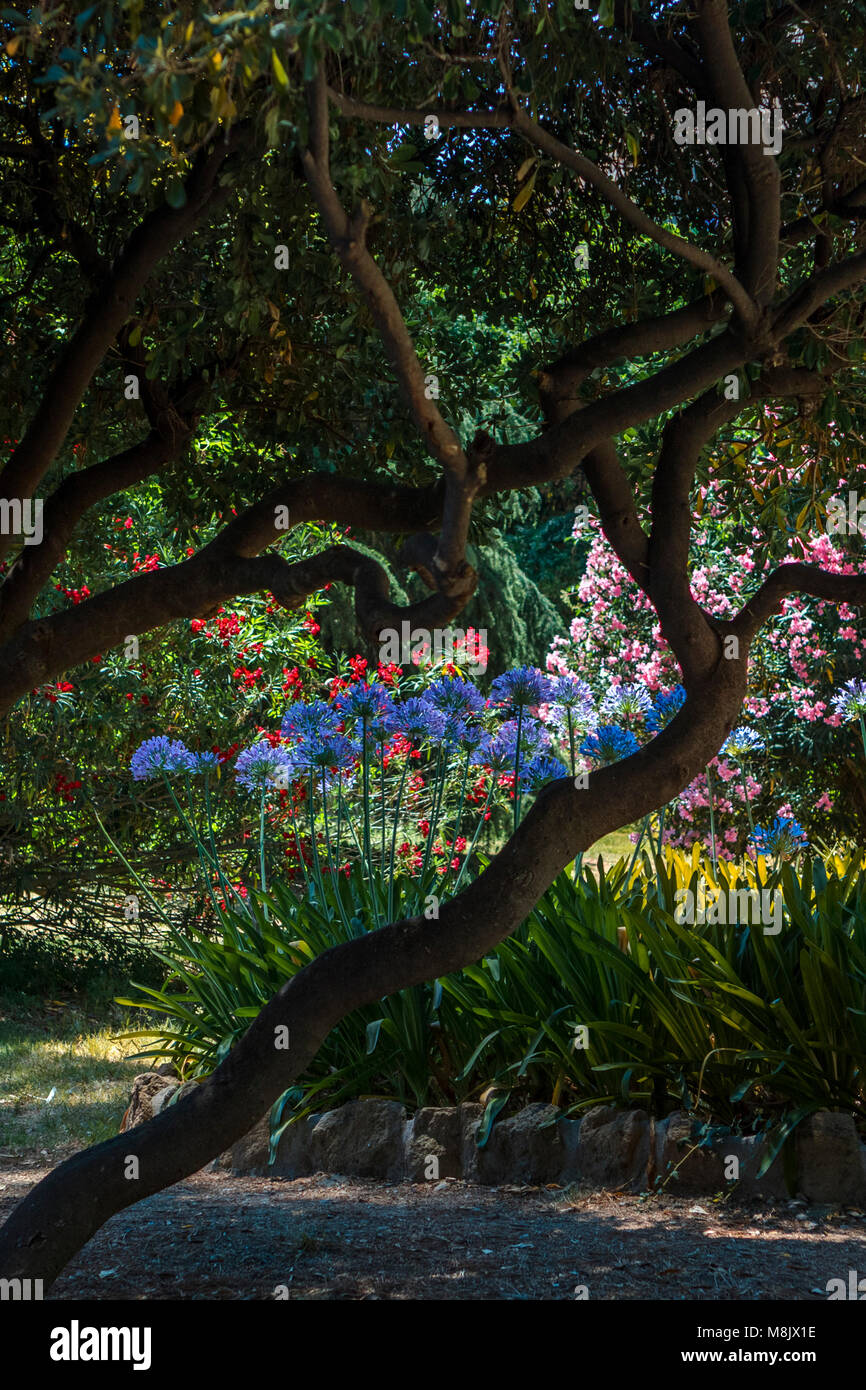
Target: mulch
215	1236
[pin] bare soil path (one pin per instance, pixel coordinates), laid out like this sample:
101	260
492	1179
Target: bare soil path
219	1237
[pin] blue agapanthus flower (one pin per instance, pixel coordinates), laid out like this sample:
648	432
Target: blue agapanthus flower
262	765
468	736
608	744
534	738
331	751
160	754
204	761
630	701
364	701
306	721
417	720
454	696
740	743
541	769
524	687
570	693
667	704
784	838
850	702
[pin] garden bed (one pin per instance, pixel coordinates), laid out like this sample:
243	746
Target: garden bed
607	1148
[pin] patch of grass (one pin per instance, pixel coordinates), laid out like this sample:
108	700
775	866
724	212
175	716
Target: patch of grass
616	845
58	1045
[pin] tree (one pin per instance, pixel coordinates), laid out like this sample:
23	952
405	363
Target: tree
544	177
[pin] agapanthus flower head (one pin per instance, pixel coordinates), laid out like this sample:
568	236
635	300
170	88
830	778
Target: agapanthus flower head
784	838
331	751
850	702
572	694
525	687
364	700
541	769
454	695
455	729
534	738
497	751
160	754
630	701
740	743
468	736
667	703
608	744
261	765
204	761
417	720
307	721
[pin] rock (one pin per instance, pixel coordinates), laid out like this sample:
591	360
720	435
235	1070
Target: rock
830	1158
686	1165
614	1147
362	1139
526	1148
569	1134
469	1115
249	1156
145	1089
433	1148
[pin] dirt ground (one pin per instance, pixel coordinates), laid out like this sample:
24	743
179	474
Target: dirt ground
327	1238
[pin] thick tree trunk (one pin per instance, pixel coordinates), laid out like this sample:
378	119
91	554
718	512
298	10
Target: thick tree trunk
63	1211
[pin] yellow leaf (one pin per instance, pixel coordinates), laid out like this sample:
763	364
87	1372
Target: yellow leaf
631	141
190	30
279	71
114	120
801	519
525	194
176	113
525	168
13	45
217	59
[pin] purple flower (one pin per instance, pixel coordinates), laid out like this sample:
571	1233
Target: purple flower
160	754
416	720
784	838
541	769
455	696
627	702
608	744
305	721
851	700
570	693
524	687
262	765
667	704
534	738
365	702
740	743
331	751
204	762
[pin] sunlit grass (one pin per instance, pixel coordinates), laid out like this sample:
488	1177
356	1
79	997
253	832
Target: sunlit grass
54	1046
616	845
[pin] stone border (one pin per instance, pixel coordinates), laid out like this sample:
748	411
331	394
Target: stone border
605	1148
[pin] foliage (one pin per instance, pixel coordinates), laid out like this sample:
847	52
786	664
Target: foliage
756	1028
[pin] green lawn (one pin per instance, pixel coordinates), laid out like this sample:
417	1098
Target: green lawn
53	1045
